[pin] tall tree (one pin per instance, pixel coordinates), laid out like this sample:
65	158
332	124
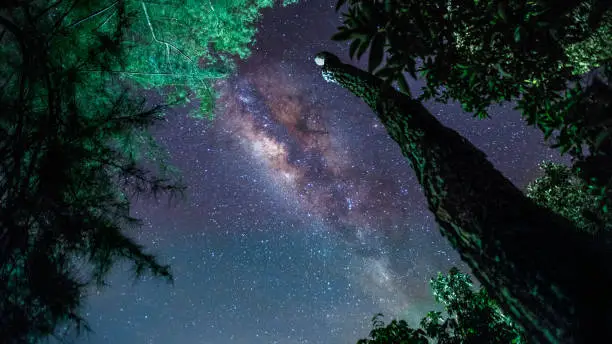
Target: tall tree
518	250
491	51
66	168
74	140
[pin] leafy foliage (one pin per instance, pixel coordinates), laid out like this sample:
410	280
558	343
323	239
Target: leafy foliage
485	52
179	47
470	317
560	190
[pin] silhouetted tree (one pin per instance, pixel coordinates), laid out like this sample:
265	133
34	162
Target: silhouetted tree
69	148
473	317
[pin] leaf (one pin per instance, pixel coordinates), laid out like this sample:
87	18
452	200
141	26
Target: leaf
601	137
376	52
339	4
362	48
472	79
342	35
517	34
403	85
353	48
501	71
501	10
389	6
411	68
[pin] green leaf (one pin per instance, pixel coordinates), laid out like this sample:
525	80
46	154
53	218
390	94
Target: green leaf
600	138
472	79
386	72
388	6
517	34
411	68
403	85
501	10
376	52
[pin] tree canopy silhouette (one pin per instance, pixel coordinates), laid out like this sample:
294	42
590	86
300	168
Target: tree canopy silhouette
68	161
484	52
562	191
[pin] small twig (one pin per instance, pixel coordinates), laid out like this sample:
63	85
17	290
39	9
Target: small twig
106	20
168	45
94	14
221	76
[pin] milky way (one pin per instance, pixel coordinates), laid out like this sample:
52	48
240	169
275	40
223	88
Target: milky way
277	122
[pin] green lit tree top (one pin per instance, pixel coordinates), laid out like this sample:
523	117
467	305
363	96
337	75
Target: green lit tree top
469	317
178	47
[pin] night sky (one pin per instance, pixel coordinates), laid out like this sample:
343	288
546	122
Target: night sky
302	218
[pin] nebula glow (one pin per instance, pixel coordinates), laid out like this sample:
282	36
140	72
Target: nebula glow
274	120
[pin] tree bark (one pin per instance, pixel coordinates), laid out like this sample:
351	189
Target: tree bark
554	281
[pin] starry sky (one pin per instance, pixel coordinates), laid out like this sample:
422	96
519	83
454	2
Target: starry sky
302	219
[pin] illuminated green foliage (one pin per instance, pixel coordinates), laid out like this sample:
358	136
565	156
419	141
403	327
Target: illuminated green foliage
177	47
560	190
469	317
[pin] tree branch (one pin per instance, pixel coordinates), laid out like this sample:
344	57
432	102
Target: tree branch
168	45
94	14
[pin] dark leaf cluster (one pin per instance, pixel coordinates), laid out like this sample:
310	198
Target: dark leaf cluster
487	52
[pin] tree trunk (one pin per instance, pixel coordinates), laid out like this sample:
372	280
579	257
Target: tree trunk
552	280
